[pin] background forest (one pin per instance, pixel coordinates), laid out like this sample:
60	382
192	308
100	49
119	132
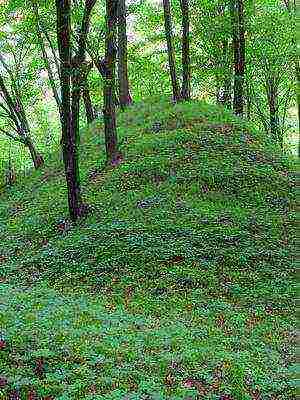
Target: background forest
29	59
147	199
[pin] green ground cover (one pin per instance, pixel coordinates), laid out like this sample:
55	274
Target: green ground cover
178	284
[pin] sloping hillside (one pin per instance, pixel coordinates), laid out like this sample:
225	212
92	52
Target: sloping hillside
178	283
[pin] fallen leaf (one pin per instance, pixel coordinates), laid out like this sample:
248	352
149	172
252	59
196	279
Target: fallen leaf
32	395
93	389
169	380
220	321
14	395
193	383
188	383
3	344
255	395
175	259
40	367
3	381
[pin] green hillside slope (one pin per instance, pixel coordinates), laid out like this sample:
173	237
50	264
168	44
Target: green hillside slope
177	284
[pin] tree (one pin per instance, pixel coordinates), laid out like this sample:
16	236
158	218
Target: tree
238	34
108	67
72	75
224	92
124	94
89	109
270	68
171	52
45	41
292	10
16	126
10	173
186	62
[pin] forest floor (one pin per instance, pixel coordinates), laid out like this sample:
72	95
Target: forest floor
178	284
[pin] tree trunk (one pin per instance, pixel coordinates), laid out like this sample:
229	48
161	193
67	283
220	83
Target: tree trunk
46	59
237	10
17	114
292	8
101	67
273	110
248	103
171	53
89	110
227	96
109	112
70	157
124	94
186	62
72	75
10	173
227	84
37	159
298	99
88	104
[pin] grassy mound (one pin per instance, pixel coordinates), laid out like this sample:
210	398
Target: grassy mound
178	284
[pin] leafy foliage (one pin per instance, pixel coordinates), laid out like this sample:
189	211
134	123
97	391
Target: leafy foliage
177	283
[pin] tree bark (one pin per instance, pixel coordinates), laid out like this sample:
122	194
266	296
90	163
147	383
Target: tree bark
16	113
248	103
227	83
70	158
101	67
89	109
88	104
10	173
37	159
72	76
108	67
46	60
298	100
273	110
237	10
186	62
124	94
171	52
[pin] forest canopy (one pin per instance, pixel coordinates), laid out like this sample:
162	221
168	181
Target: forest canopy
240	54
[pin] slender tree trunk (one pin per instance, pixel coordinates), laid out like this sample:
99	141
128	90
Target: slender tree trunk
227	96
219	90
101	67
227	85
88	104
46	60
124	94
70	158
171	53
37	159
109	112
297	68
224	94
17	114
10	173
273	110
89	109
72	76
186	62
249	104
237	10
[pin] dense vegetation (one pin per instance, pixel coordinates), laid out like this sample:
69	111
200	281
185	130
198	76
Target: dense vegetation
147	250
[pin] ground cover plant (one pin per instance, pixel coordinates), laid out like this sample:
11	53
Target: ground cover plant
178	283
148	158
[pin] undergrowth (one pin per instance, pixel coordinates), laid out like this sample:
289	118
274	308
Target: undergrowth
179	282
